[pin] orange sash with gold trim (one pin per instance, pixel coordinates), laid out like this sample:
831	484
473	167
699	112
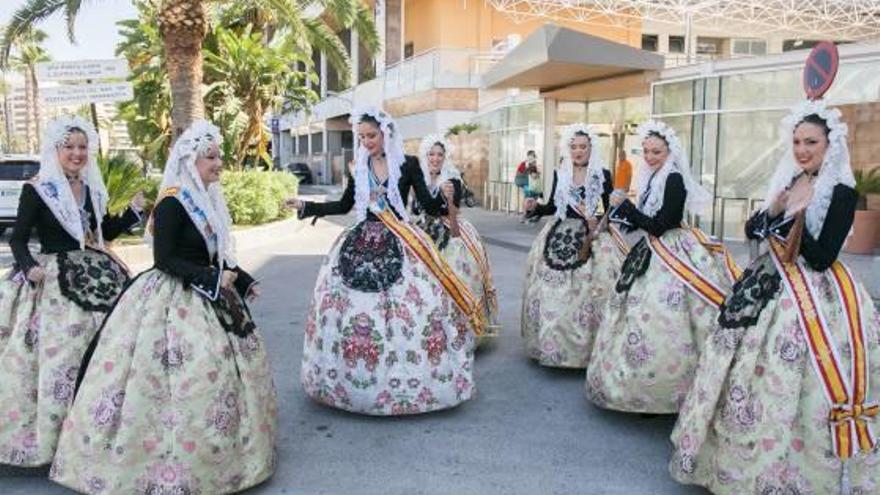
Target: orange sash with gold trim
734	272
490	299
427	252
687	273
850	410
622	246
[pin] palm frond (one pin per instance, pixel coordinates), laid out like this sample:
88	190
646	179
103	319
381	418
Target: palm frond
26	17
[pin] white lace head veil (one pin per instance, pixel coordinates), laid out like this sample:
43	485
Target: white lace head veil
835	168
394	157
698	198
448	171
595	167
180	172
53	186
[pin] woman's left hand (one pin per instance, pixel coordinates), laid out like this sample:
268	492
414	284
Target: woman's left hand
254	293
799	196
448	189
138	202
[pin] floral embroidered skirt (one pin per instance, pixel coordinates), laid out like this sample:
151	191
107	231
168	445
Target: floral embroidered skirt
564	295
468	263
43	336
647	346
170	402
756	419
382	337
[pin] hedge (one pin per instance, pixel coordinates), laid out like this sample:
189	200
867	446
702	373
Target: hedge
256	196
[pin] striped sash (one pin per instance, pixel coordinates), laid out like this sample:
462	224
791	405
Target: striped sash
490	299
427	252
733	270
687	273
850	409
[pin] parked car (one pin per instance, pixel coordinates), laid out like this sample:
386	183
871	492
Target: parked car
301	171
15	170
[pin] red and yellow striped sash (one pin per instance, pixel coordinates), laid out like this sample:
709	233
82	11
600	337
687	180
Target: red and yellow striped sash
622	246
687	273
850	410
490	299
426	251
734	272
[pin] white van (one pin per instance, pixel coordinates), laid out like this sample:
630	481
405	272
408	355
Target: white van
15	170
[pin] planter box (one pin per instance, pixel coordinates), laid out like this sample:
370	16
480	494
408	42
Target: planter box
865	234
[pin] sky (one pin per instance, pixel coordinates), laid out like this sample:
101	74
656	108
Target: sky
95	29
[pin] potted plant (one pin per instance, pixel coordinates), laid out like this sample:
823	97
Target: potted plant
866	226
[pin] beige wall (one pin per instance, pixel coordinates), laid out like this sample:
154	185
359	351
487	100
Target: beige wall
475	24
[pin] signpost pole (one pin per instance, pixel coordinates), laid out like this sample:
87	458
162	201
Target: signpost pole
93	110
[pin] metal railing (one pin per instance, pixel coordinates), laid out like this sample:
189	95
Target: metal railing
502	196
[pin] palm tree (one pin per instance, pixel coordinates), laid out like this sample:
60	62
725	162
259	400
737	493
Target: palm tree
184	23
28	53
251	78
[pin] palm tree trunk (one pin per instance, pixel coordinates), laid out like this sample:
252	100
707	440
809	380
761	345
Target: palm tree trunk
183	26
32	74
28	114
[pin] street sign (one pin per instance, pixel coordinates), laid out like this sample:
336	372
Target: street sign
81	70
78	94
820	69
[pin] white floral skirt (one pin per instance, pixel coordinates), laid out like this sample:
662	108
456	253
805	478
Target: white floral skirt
469	269
655	326
756	419
43	336
170	401
564	295
382	337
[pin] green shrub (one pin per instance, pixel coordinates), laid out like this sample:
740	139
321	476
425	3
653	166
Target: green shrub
255	196
123	178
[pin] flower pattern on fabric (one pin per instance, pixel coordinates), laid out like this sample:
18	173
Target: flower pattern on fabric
634	266
562	309
405	350
91	279
756	418
233	313
562	249
43	336
758	284
185	406
436	229
647	348
371	258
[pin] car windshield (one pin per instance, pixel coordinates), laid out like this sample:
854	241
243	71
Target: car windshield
18	169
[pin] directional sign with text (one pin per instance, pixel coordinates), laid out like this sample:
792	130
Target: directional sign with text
81	70
78	94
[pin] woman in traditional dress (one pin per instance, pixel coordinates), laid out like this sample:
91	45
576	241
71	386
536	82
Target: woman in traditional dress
669	290
455	237
569	272
178	395
390	329
785	398
52	303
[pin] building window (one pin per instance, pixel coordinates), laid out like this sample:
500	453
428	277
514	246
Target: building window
650	42
408	50
747	48
676	44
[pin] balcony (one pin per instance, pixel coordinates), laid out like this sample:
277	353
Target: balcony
438	68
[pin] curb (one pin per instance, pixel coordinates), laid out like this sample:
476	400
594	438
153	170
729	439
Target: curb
141	255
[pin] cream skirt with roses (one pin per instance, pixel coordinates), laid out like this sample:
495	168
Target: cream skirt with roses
170	401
